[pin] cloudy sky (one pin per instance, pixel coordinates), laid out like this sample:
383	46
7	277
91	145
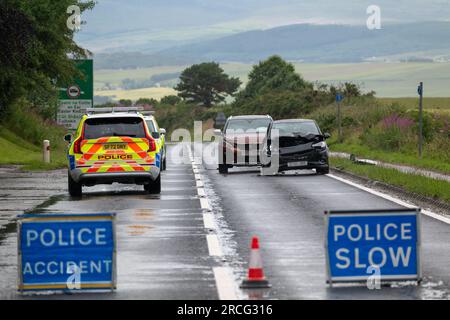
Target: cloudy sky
155	24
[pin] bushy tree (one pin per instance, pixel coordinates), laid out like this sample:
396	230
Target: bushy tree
273	74
171	99
149	101
206	84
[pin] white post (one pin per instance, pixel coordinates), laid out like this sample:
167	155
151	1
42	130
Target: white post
46	151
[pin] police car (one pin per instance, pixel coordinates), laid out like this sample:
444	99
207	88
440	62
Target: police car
159	134
113	145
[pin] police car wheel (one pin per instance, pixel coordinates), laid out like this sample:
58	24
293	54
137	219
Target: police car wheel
75	188
154	187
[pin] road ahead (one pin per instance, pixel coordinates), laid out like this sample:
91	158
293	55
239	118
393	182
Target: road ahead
167	246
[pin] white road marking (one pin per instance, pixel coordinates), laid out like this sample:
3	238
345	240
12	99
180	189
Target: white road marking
225	283
214	245
199	184
201	192
204	204
208	221
391	198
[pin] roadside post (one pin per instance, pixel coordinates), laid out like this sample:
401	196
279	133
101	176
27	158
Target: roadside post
46	151
359	242
66	253
420	92
339	98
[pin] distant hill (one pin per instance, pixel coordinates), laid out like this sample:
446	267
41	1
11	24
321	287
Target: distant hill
300	42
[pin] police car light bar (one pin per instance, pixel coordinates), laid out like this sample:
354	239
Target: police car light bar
114	109
148	112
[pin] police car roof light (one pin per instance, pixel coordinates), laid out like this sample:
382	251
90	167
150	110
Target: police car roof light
114	109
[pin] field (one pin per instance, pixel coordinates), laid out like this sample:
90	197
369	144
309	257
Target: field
437	105
156	93
394	80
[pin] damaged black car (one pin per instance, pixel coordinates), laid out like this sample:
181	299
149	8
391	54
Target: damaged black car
297	144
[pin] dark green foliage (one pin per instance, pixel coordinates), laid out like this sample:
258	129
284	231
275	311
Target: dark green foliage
172	100
35	43
125	102
149	101
206	84
273	74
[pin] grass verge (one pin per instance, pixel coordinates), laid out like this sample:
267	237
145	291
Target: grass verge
436	189
392	157
22	132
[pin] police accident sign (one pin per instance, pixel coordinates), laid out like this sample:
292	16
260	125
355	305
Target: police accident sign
359	243
66	252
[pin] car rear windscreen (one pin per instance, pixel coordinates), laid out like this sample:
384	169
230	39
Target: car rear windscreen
303	127
114	127
248	125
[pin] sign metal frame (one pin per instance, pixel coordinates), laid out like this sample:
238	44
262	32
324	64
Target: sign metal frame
381	212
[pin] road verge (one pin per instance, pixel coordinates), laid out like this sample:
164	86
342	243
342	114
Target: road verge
416	198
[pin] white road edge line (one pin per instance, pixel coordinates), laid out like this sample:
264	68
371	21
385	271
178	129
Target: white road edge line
208	221
204	204
391	198
225	283
214	245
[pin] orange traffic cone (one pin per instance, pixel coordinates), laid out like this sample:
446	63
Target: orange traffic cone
255	278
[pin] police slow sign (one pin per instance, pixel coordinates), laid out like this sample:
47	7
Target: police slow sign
66	252
359	242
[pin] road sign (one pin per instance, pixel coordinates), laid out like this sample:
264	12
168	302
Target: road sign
339	97
66	252
358	242
77	96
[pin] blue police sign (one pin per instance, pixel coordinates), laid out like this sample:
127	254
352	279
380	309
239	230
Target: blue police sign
339	97
67	252
358	242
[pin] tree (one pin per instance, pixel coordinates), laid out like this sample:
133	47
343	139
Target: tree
206	83
35	47
273	74
125	102
171	99
149	101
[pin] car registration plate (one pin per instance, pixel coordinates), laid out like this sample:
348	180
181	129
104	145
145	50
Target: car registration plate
298	164
115	146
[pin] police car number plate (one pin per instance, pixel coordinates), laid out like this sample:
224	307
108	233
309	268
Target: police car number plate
115	146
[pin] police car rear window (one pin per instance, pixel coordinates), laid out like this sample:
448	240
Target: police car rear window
114	127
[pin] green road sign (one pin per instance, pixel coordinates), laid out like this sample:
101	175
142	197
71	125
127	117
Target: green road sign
77	96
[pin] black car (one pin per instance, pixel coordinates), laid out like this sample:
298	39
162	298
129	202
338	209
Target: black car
298	144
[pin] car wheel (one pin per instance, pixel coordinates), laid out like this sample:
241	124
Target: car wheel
223	168
323	170
154	187
75	188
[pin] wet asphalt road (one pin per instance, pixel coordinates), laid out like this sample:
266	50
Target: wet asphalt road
286	212
162	247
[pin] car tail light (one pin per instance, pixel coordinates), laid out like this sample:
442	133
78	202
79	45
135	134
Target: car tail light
151	141
77	143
